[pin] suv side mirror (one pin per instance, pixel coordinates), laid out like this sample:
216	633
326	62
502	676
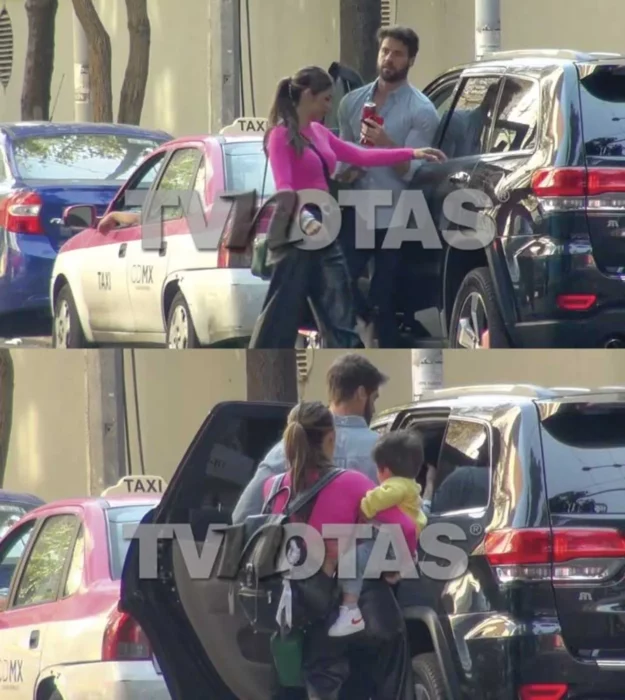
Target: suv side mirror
80	216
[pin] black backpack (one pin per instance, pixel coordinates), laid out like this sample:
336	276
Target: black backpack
259	584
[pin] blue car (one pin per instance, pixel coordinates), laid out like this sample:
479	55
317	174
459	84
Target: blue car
44	168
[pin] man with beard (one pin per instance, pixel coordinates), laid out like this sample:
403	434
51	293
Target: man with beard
410	120
353	385
374	663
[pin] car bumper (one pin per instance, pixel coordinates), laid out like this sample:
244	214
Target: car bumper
587	331
26	264
500	654
224	304
112	680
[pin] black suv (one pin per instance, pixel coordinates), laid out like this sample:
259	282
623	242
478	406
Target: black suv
542	134
533	481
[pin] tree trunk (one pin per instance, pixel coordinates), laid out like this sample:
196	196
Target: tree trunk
99	60
7	383
271	375
39	65
360	20
137	68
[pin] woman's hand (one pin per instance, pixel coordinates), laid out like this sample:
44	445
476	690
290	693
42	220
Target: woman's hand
430	154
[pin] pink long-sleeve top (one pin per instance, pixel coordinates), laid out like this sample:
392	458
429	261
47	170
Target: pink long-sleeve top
293	172
339	504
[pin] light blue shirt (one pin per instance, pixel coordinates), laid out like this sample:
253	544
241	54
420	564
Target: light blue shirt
354	445
410	121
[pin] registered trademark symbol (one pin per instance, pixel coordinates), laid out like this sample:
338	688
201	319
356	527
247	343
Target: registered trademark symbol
475	529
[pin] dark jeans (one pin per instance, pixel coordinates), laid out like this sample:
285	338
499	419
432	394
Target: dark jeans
302	277
378	658
380	306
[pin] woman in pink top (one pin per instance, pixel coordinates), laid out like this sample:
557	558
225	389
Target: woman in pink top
303	155
309	441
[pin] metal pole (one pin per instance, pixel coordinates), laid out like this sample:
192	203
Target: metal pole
487	27
82	91
224	69
105	418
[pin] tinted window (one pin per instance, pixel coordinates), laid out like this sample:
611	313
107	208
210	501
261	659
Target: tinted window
12	555
463	471
603	112
179	176
80	157
247	169
76	567
42	576
118	519
466	133
517	116
10	513
140	186
584	451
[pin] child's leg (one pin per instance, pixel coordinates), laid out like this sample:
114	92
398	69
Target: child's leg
350	618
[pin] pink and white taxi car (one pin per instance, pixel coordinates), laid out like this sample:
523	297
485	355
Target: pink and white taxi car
62	636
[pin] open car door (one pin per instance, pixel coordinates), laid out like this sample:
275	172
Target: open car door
202	649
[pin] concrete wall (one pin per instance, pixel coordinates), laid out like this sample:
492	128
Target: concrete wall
573	368
49	455
288	34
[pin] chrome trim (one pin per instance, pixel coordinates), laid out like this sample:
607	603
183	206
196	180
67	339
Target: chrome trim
611	663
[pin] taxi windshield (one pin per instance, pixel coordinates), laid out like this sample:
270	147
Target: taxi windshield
118	519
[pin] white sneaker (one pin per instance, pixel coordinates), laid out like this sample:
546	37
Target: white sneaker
349	621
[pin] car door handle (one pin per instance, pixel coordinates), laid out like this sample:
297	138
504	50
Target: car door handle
122	250
163	249
460	178
33	641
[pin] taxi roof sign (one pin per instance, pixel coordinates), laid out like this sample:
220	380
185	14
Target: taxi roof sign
143	485
245	126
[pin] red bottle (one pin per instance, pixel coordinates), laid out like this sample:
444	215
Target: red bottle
370	111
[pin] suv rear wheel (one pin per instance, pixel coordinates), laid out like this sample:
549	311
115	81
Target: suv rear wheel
428	678
475	319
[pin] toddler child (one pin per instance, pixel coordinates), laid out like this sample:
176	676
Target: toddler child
399	459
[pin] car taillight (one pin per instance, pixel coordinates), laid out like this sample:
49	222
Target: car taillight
124	640
560	555
576	302
237	257
543	691
570	189
20	213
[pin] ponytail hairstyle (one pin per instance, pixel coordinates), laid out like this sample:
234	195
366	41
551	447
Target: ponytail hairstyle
308	424
288	94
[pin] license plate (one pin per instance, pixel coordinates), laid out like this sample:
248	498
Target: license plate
157	668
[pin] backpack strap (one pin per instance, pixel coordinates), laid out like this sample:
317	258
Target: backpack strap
309	494
276	487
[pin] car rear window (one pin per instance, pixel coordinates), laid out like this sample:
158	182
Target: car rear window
10	513
584	452
602	95
95	157
247	168
118	519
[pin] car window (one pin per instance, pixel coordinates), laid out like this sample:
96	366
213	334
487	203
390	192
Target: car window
76	567
119	520
10	513
602	94
11	556
200	181
463	470
442	98
466	132
246	169
584	452
179	176
43	571
516	121
134	195
101	157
